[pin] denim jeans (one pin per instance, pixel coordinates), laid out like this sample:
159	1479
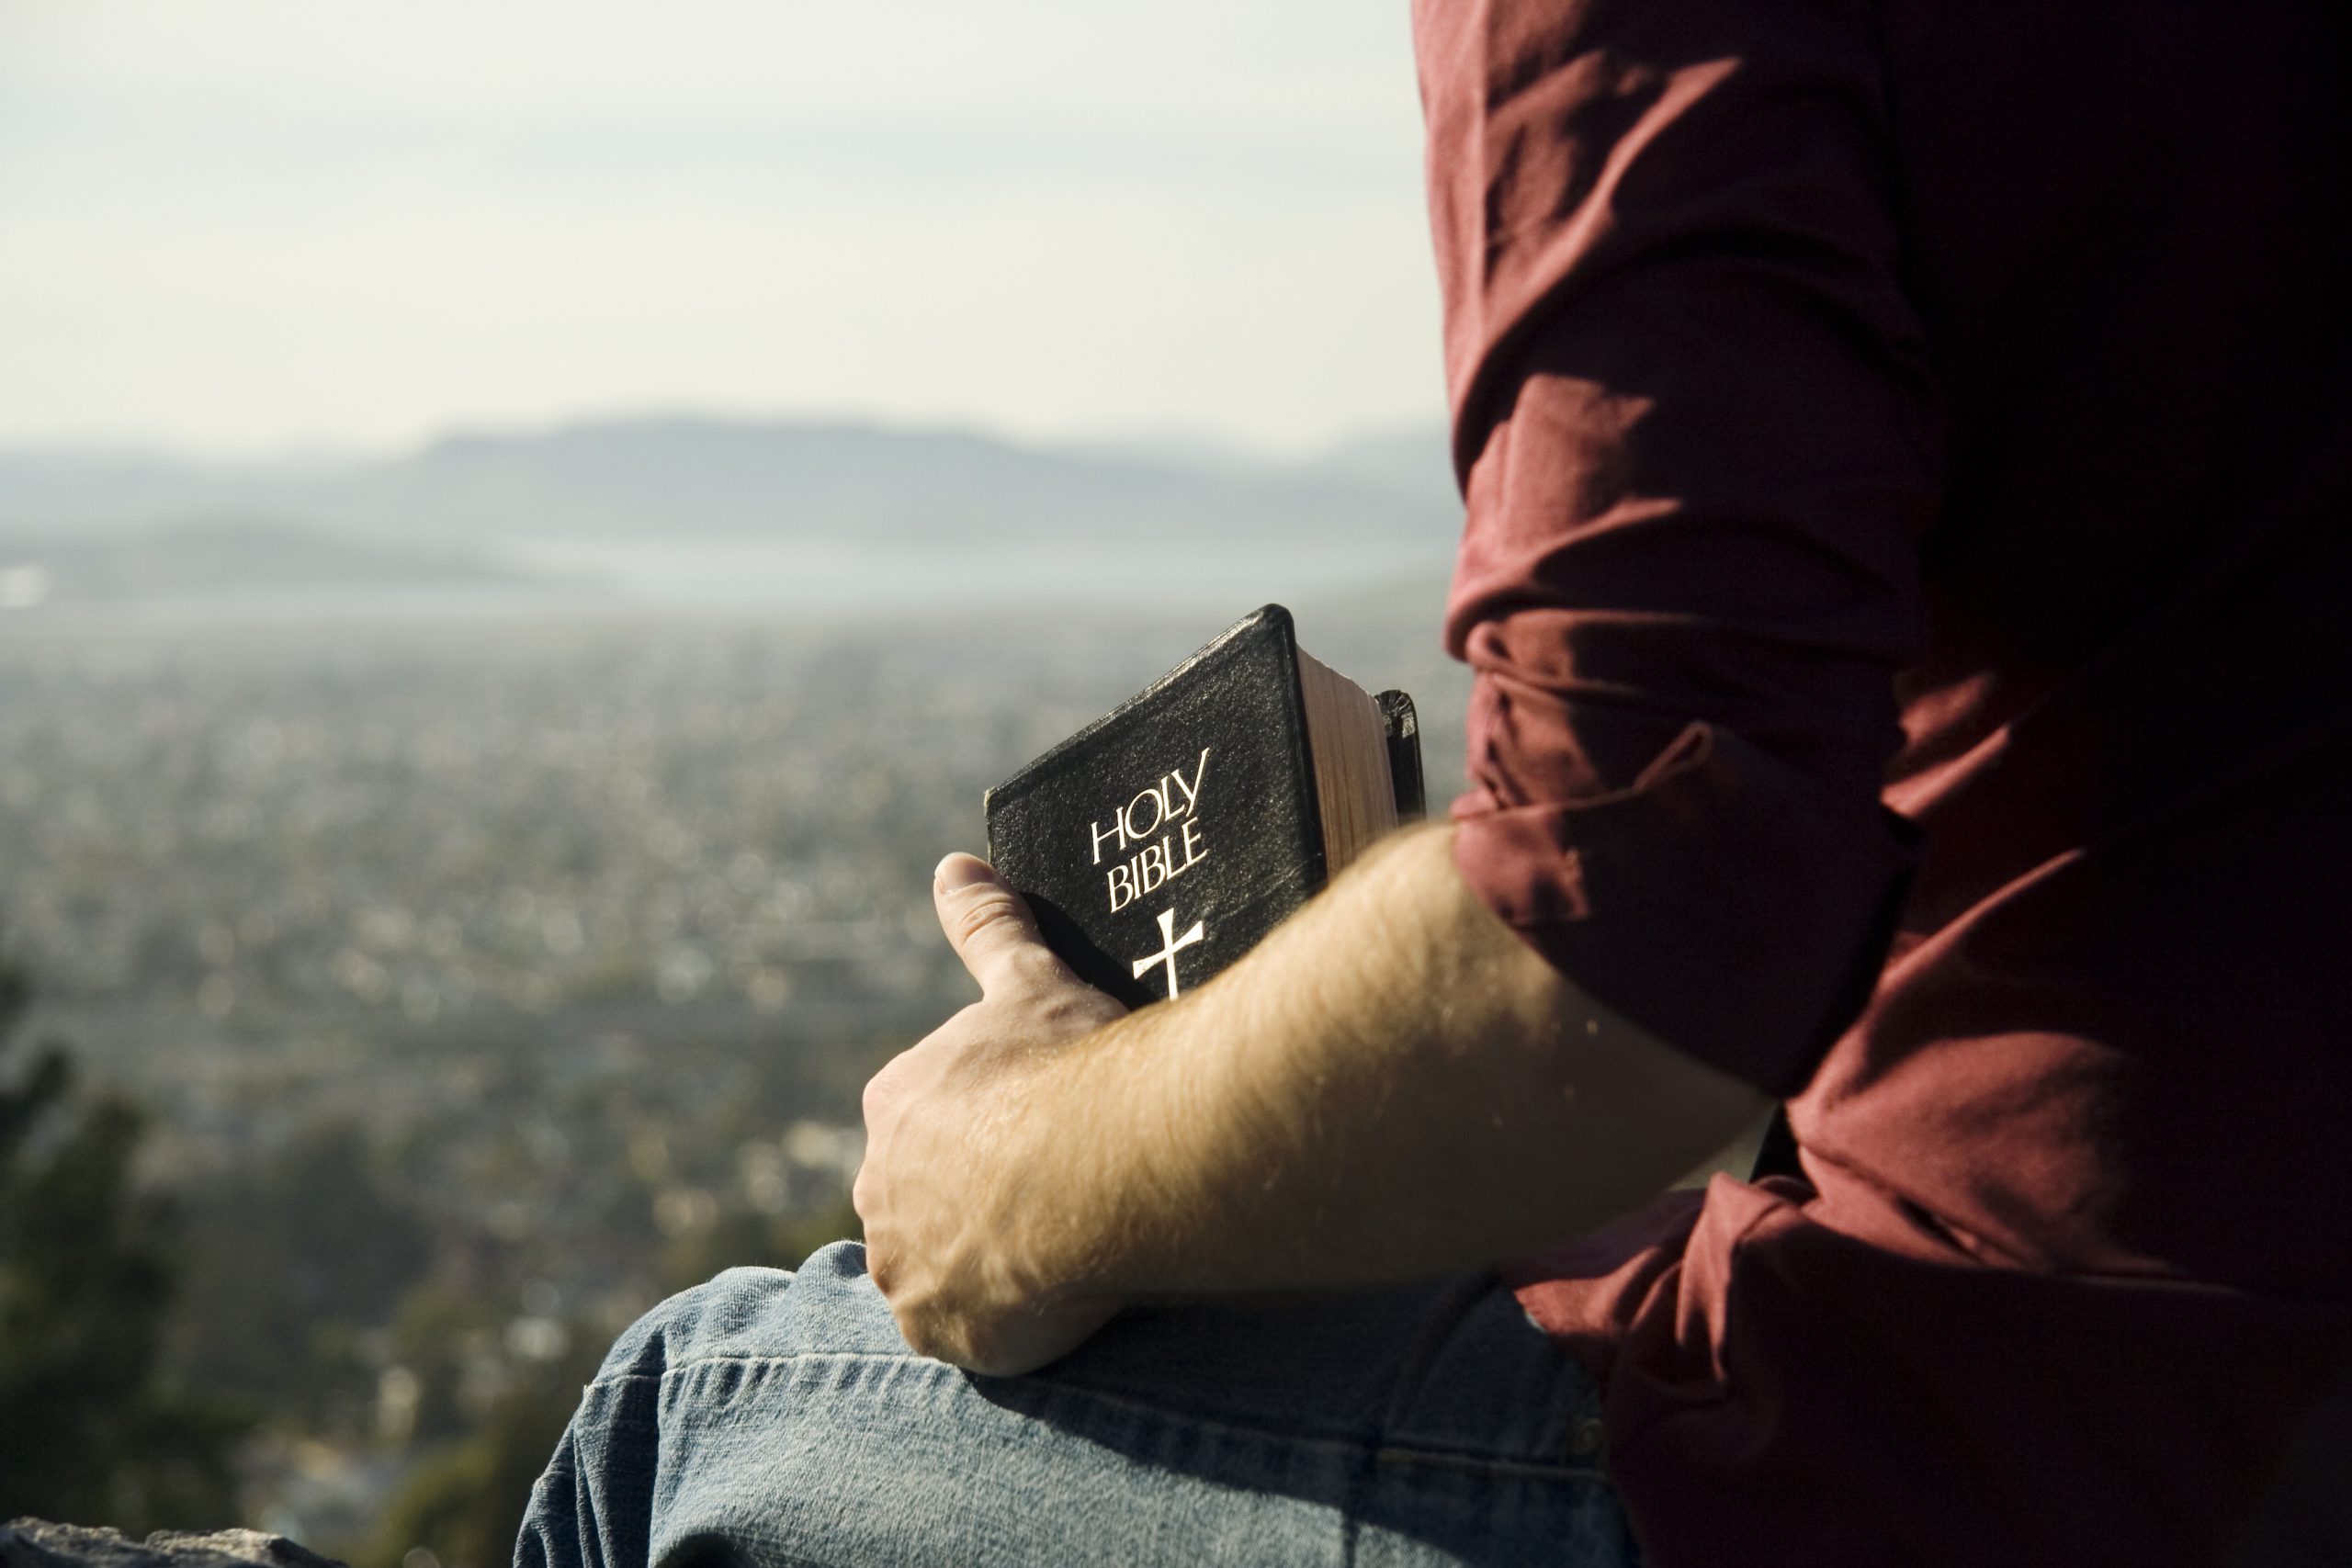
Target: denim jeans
767	1419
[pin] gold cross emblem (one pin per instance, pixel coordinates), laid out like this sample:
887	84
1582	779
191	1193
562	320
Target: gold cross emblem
1171	944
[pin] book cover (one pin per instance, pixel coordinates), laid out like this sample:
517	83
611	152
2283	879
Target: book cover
1164	841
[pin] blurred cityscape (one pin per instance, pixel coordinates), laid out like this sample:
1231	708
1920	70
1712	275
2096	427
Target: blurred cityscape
520	547
484	978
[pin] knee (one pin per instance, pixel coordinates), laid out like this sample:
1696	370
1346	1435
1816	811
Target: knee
741	1311
691	1323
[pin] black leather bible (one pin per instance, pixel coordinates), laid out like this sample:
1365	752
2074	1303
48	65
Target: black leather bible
1163	842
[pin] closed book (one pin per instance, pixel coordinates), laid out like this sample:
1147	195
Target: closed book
1163	842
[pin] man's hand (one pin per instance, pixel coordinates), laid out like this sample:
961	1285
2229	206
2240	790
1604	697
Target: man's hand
1390	1086
942	1186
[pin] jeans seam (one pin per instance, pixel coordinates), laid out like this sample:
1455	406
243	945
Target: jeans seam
1372	1447
612	1379
1397	1453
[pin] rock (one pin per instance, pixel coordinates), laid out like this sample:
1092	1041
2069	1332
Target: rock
36	1543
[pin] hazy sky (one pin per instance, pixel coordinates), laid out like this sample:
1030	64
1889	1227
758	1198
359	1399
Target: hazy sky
248	225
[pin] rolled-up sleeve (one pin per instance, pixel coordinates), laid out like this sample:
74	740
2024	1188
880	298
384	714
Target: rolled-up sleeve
1696	436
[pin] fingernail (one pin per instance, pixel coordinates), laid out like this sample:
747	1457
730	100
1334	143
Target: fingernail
960	871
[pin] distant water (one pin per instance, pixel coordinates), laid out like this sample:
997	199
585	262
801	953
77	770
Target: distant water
851	578
802	582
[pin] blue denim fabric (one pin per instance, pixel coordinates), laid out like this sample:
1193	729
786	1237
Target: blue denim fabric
769	1419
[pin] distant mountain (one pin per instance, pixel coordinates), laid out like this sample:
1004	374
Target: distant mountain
676	479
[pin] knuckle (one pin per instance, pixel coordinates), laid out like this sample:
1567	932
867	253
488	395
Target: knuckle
881	1092
984	909
922	1333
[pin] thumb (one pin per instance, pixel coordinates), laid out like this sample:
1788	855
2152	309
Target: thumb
988	924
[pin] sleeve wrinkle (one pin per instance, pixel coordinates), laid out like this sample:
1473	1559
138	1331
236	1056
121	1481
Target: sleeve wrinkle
1697	442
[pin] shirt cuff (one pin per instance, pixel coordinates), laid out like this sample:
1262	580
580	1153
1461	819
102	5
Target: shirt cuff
1721	901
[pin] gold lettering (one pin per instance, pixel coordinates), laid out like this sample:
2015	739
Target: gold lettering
1192	791
1158	814
1193	851
1157	862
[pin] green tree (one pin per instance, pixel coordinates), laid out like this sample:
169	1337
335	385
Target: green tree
465	1504
89	1432
296	1254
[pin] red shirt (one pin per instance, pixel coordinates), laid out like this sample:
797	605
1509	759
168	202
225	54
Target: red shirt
1944	409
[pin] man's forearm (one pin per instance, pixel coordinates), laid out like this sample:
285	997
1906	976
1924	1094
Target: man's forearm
1390	1086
